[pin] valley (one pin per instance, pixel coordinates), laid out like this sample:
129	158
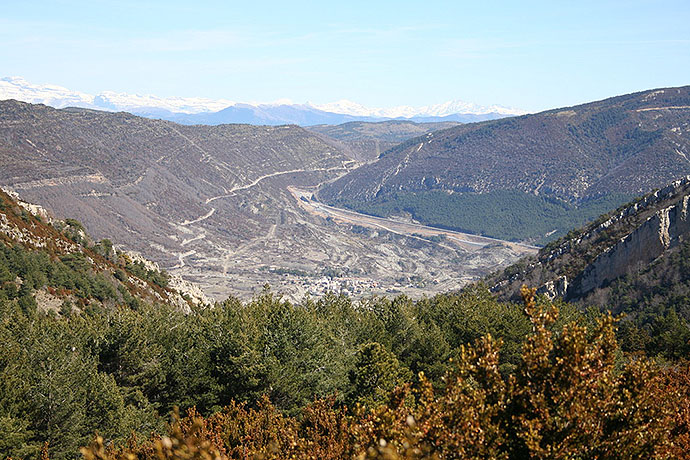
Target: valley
315	249
297	299
344	230
231	207
365	142
211	204
410	229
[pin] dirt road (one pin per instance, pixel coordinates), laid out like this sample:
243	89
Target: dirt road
467	241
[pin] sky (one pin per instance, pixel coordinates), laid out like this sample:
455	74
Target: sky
531	55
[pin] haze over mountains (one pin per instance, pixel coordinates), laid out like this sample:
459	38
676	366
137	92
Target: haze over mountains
365	141
195	110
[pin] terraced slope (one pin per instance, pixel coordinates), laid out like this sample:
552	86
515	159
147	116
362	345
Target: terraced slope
211	203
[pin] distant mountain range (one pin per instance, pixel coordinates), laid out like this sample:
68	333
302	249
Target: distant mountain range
192	111
529	177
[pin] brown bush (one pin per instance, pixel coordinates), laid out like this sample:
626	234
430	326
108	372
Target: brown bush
566	400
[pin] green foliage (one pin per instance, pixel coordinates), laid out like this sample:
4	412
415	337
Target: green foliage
114	369
50	386
375	374
505	214
105	248
138	269
36	270
16	438
567	399
74	230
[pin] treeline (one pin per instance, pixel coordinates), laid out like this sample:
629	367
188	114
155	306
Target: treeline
505	214
569	397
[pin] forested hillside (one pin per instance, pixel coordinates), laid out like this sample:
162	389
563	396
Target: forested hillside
632	261
92	342
564	166
56	262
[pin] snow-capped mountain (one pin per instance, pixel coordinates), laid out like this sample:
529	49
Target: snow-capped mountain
192	110
405	111
129	102
52	95
59	97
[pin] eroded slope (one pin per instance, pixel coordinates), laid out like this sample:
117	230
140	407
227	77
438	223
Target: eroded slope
211	203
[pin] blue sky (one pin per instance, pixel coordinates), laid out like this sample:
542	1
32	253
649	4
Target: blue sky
528	54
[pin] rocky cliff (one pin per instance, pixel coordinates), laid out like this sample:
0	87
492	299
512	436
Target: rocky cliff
663	230
622	243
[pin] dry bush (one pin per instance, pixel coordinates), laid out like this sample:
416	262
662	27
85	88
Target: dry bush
566	400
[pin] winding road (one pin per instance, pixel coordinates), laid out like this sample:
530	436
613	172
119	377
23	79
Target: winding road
234	190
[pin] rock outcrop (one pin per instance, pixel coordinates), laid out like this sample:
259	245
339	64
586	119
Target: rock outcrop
663	230
624	242
27	227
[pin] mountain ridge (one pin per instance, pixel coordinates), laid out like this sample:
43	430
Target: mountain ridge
565	157
642	230
195	110
367	140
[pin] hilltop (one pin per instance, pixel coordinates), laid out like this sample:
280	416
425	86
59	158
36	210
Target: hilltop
367	141
530	177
